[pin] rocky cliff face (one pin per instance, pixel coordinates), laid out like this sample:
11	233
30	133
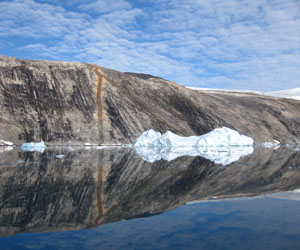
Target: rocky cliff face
71	103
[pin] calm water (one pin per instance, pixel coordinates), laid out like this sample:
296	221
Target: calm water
113	199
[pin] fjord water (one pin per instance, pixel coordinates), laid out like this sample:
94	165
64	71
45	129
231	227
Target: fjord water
113	199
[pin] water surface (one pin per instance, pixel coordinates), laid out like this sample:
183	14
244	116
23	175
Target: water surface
112	198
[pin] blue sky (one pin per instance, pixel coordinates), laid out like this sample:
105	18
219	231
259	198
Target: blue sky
230	44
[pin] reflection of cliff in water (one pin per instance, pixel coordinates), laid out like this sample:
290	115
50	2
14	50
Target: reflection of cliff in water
39	192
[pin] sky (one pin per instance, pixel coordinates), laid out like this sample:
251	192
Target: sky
227	44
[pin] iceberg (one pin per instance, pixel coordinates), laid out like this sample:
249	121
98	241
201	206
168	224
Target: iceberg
219	137
275	144
6	143
34	146
60	156
221	145
146	138
224	137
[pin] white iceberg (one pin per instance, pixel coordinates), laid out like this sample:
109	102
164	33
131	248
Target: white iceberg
223	137
60	156
146	138
6	143
219	137
275	144
222	146
34	146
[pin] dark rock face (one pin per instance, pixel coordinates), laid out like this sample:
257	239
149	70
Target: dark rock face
40	193
70	103
134	104
47	100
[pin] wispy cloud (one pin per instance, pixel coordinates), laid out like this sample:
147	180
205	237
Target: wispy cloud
104	6
209	43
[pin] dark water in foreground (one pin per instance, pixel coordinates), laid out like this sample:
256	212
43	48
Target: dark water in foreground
112	199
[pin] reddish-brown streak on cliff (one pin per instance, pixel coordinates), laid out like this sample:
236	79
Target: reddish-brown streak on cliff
99	102
99	89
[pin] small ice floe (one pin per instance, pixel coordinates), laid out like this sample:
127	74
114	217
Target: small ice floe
70	148
6	143
294	147
222	146
60	156
110	146
275	144
34	146
88	145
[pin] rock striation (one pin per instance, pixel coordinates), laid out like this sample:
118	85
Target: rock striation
76	103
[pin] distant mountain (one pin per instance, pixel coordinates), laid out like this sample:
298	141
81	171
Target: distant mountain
75	103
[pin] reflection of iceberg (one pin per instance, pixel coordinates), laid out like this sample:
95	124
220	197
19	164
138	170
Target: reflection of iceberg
32	146
6	148
222	146
219	155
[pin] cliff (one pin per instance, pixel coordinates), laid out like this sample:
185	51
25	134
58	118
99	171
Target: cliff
75	103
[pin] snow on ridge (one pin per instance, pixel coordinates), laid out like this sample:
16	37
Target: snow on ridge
293	93
287	93
227	90
221	145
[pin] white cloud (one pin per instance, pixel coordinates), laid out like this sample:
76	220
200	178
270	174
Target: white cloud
25	18
231	44
104	6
